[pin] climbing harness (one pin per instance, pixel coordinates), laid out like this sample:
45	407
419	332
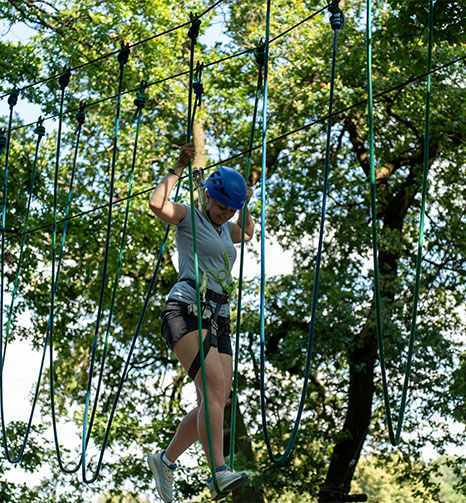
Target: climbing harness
395	436
209	314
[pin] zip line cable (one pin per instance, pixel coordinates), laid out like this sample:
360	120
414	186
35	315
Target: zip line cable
336	21
122	59
395	436
259	146
40	131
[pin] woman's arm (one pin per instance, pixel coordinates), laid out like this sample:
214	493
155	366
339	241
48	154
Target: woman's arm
168	211
249	227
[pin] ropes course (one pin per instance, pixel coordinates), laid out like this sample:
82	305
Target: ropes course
195	92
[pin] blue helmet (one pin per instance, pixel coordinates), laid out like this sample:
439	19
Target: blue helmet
228	187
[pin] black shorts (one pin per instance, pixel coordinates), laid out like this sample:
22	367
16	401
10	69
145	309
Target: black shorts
177	322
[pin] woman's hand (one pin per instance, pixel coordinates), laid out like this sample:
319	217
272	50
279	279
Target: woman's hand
186	155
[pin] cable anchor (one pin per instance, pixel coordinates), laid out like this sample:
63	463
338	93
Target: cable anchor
13	98
40	129
123	55
64	78
198	88
193	32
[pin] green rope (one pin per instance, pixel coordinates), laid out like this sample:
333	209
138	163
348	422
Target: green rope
40	131
260	59
336	20
122	60
395	437
193	33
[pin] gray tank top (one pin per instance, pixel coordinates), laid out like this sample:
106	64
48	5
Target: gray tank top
211	246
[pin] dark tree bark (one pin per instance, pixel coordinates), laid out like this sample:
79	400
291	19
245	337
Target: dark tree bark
362	354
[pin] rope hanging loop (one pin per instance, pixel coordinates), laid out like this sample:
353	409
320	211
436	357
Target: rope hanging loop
259	53
13	99
64	78
40	129
337	18
123	55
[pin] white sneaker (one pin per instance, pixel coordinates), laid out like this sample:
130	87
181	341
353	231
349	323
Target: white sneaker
163	475
227	481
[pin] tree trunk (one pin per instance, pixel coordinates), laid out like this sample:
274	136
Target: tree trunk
248	493
358	417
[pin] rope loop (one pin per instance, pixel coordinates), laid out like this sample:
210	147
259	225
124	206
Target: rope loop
259	53
13	99
2	141
193	32
64	78
40	129
337	18
123	55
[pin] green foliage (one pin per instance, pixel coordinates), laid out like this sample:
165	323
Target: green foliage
151	402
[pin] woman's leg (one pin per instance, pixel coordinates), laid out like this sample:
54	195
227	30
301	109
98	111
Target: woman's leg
218	380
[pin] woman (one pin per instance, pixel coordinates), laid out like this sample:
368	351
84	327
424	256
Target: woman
225	192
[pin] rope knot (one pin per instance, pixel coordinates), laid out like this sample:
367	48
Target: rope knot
193	32
337	18
80	115
259	53
198	88
140	100
2	141
64	78
40	129
123	55
13	98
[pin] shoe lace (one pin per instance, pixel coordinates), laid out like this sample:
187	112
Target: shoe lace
168	473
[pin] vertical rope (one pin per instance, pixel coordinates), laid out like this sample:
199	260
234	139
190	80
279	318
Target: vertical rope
259	55
40	131
395	436
123	56
336	20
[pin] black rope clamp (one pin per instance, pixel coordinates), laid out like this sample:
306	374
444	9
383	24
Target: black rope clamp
13	98
40	129
337	18
193	32
2	141
123	55
64	78
259	53
140	100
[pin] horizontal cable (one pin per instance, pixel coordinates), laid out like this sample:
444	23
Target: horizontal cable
109	54
272	140
174	76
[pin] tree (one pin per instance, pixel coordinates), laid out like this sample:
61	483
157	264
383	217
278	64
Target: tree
343	409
